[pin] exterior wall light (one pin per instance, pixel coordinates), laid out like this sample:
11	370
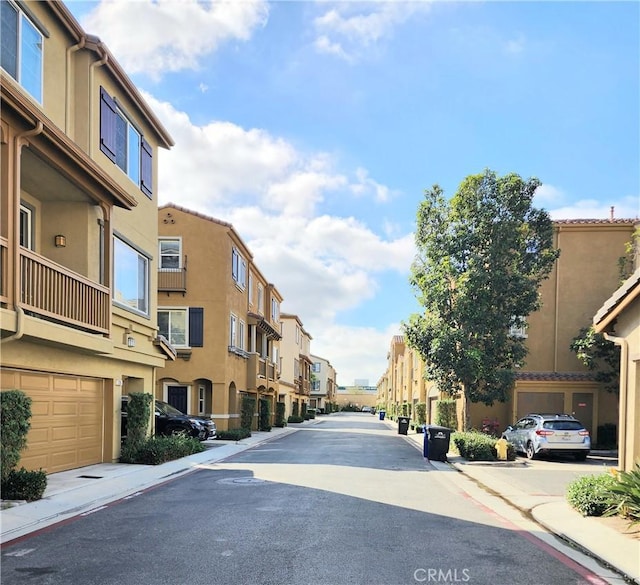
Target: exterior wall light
60	241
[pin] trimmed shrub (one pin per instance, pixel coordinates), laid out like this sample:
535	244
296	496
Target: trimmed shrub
157	450
624	496
280	420
265	415
591	494
233	434
311	413
248	409
607	436
138	417
295	419
15	421
295	410
446	414
421	413
475	446
24	485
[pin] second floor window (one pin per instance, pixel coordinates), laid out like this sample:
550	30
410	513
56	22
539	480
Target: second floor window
260	299
170	256
238	269
275	311
21	49
26	227
124	145
130	277
315	367
172	323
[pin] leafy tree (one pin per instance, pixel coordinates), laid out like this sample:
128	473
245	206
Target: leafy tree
599	355
481	258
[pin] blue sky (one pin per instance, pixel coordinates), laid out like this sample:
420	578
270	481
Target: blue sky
315	127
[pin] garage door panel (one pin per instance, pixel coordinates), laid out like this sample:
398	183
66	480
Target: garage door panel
540	402
67	426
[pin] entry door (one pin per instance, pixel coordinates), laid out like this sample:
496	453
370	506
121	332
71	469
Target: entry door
177	397
582	409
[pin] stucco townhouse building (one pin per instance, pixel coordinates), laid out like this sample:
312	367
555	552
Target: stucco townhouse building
222	316
78	184
552	379
323	383
295	380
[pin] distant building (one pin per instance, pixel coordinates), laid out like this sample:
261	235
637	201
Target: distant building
357	396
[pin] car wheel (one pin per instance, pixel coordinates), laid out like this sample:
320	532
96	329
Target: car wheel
178	432
530	452
580	456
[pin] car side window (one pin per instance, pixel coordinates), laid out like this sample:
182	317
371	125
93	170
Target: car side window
521	424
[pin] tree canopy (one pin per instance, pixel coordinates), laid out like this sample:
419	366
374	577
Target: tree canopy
599	355
481	257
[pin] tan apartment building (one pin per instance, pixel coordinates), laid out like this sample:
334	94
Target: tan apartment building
323	383
221	315
619	320
78	184
296	363
552	379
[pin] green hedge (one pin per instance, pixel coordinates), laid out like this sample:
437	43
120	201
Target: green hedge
475	446
159	449
233	434
591	494
295	419
280	419
446	414
24	485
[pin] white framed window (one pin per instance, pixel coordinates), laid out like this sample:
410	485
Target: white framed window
174	325
201	399
130	277
238	269
233	330
26	226
260	299
297	335
275	311
21	49
315	367
170	253
250	289
241	340
127	147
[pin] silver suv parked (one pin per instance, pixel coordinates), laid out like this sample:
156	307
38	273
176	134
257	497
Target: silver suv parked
549	433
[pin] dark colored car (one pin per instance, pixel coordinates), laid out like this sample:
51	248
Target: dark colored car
170	421
536	434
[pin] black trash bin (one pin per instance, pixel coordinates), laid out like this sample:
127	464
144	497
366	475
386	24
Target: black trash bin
403	425
436	442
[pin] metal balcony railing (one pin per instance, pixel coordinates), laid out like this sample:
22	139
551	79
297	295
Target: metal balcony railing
172	280
54	292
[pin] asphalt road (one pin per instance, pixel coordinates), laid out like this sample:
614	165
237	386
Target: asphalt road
340	502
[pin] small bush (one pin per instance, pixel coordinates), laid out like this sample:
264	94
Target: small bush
591	494
295	419
24	485
446	413
475	446
624	496
233	434
15	420
157	450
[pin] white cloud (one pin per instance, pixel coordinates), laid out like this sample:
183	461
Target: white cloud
349	29
158	36
273	195
546	194
623	208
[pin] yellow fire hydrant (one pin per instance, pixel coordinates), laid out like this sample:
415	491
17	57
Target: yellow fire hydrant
501	449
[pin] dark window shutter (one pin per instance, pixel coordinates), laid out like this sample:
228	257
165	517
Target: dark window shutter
146	167
108	124
196	326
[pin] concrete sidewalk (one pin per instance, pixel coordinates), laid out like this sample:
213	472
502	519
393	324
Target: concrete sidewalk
84	490
611	547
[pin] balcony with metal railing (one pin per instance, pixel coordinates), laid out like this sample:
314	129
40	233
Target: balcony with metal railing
172	280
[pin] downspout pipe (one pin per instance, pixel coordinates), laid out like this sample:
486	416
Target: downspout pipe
20	140
624	385
70	51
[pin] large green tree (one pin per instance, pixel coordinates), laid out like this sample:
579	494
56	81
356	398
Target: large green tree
481	257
